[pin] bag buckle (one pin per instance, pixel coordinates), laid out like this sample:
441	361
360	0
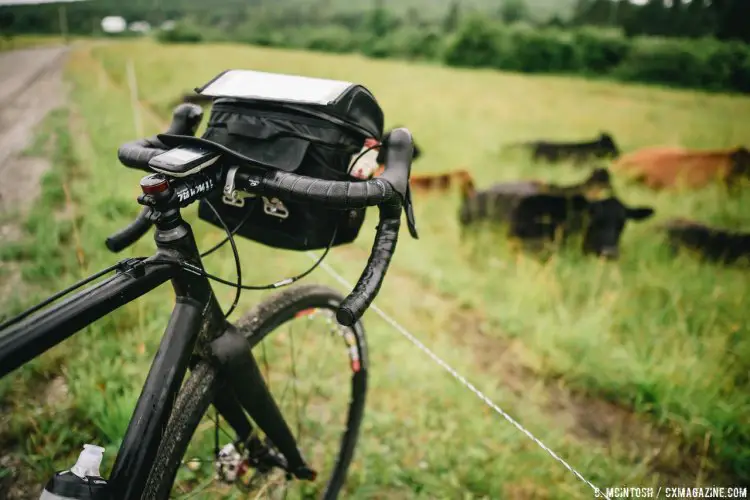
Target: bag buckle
275	208
232	196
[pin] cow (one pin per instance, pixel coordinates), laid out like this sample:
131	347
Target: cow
668	167
603	147
712	244
535	211
502	198
442	182
547	216
592	187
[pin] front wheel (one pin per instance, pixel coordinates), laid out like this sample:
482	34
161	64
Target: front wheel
316	371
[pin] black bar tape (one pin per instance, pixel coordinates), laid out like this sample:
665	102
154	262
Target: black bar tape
398	161
352	308
137	154
340	194
185	119
131	233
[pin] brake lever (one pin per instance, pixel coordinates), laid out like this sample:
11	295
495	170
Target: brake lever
401	146
410	219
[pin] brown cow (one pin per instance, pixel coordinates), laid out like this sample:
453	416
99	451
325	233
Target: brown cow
438	182
594	186
443	182
669	166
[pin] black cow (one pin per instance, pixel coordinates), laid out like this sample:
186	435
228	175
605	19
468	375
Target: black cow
579	152
538	211
496	202
545	216
713	244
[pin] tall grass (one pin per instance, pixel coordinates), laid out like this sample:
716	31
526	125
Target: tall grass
563	346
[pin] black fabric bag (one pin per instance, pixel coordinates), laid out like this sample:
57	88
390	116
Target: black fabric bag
308	139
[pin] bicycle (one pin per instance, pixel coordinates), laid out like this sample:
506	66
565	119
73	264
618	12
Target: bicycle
224	372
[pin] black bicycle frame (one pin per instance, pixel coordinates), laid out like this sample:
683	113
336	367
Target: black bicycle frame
196	317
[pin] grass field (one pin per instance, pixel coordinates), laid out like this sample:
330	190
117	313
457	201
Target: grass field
635	372
29	41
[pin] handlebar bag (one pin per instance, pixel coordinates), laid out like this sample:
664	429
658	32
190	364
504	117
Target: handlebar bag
314	140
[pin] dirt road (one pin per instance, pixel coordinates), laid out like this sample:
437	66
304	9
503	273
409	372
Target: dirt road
30	87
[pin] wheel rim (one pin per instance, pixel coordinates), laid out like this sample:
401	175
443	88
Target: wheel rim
314	369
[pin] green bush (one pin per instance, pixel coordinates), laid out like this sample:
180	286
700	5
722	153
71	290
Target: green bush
538	51
413	43
474	45
181	33
259	32
599	51
703	64
669	62
331	38
378	47
732	59
481	41
266	38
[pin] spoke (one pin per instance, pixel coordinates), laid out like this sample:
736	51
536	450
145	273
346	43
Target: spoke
322	380
286	385
182	489
294	383
265	362
226	433
321	360
216	432
198	489
274	482
283	393
317	370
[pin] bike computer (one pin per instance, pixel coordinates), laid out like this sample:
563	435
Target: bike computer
183	161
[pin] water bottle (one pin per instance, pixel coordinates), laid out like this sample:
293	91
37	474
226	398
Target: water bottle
80	482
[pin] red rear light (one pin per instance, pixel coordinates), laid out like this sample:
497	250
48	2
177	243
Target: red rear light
154	183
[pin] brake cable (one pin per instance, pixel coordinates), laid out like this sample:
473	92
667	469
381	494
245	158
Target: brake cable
120	265
238	266
192	268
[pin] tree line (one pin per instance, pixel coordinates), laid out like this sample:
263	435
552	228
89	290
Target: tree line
696	44
722	19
